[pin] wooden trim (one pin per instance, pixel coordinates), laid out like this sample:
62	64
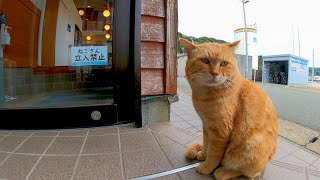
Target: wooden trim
152	82
153	8
152	28
49	33
136	54
31	6
152	55
171	47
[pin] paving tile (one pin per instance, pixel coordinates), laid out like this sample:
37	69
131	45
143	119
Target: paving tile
10	143
105	166
3	156
191	174
45	133
103	131
314	174
21	133
195	123
305	156
137	141
280	154
192	129
66	146
294	161
17	166
178	136
317	163
160	126
198	139
35	145
182	124
101	144
295	132
176	155
179	113
145	162
131	129
162	140
288	147
188	117
281	171
73	133
175	119
169	177
314	146
54	167
3	132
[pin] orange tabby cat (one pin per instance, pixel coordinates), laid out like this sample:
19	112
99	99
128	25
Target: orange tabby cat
239	120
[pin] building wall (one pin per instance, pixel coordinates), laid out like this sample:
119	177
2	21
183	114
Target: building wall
239	34
298	71
158	46
67	14
23	17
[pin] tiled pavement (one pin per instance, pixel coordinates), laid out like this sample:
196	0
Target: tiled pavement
124	152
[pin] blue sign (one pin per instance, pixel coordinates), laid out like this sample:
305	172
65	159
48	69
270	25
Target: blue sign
89	56
69	28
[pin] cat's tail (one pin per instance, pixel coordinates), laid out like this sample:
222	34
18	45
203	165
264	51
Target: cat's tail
193	150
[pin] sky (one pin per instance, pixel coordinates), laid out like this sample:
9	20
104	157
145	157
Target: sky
277	23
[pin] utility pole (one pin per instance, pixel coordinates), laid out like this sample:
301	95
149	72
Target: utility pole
292	40
246	37
299	39
312	76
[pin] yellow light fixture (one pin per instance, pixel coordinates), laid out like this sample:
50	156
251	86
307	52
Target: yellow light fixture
107	27
81	12
108	36
106	13
88	38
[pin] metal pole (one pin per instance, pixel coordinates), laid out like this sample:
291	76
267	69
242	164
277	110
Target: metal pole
312	76
246	37
292	40
299	39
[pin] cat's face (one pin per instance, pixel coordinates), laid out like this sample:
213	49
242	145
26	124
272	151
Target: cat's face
211	64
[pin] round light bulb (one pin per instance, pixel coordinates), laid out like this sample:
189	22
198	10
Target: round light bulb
106	13
88	38
81	12
107	27
107	36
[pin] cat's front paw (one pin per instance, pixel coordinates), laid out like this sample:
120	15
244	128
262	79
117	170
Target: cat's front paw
201	156
204	168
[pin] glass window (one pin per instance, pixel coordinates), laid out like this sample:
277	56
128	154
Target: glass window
59	53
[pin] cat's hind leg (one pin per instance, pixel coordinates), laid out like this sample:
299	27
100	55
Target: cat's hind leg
193	151
223	174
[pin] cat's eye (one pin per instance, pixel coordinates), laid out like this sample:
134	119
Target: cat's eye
204	60
224	63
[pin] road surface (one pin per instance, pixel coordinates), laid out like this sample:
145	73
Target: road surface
295	105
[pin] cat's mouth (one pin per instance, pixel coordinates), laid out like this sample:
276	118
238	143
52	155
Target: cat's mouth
209	80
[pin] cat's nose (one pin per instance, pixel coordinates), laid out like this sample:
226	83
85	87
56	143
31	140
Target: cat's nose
214	74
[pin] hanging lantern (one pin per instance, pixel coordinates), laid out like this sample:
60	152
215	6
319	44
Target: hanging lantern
108	36
106	13
81	12
88	38
107	27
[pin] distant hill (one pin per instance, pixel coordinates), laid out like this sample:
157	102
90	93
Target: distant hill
195	40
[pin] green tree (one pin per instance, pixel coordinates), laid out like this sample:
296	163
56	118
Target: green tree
196	40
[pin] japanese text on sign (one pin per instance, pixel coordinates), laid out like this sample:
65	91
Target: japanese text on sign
89	56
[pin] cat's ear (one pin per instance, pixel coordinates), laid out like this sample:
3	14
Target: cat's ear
188	46
233	45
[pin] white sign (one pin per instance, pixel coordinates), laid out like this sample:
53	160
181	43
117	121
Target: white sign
89	56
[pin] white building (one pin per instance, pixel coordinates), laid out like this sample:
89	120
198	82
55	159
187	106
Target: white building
239	34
